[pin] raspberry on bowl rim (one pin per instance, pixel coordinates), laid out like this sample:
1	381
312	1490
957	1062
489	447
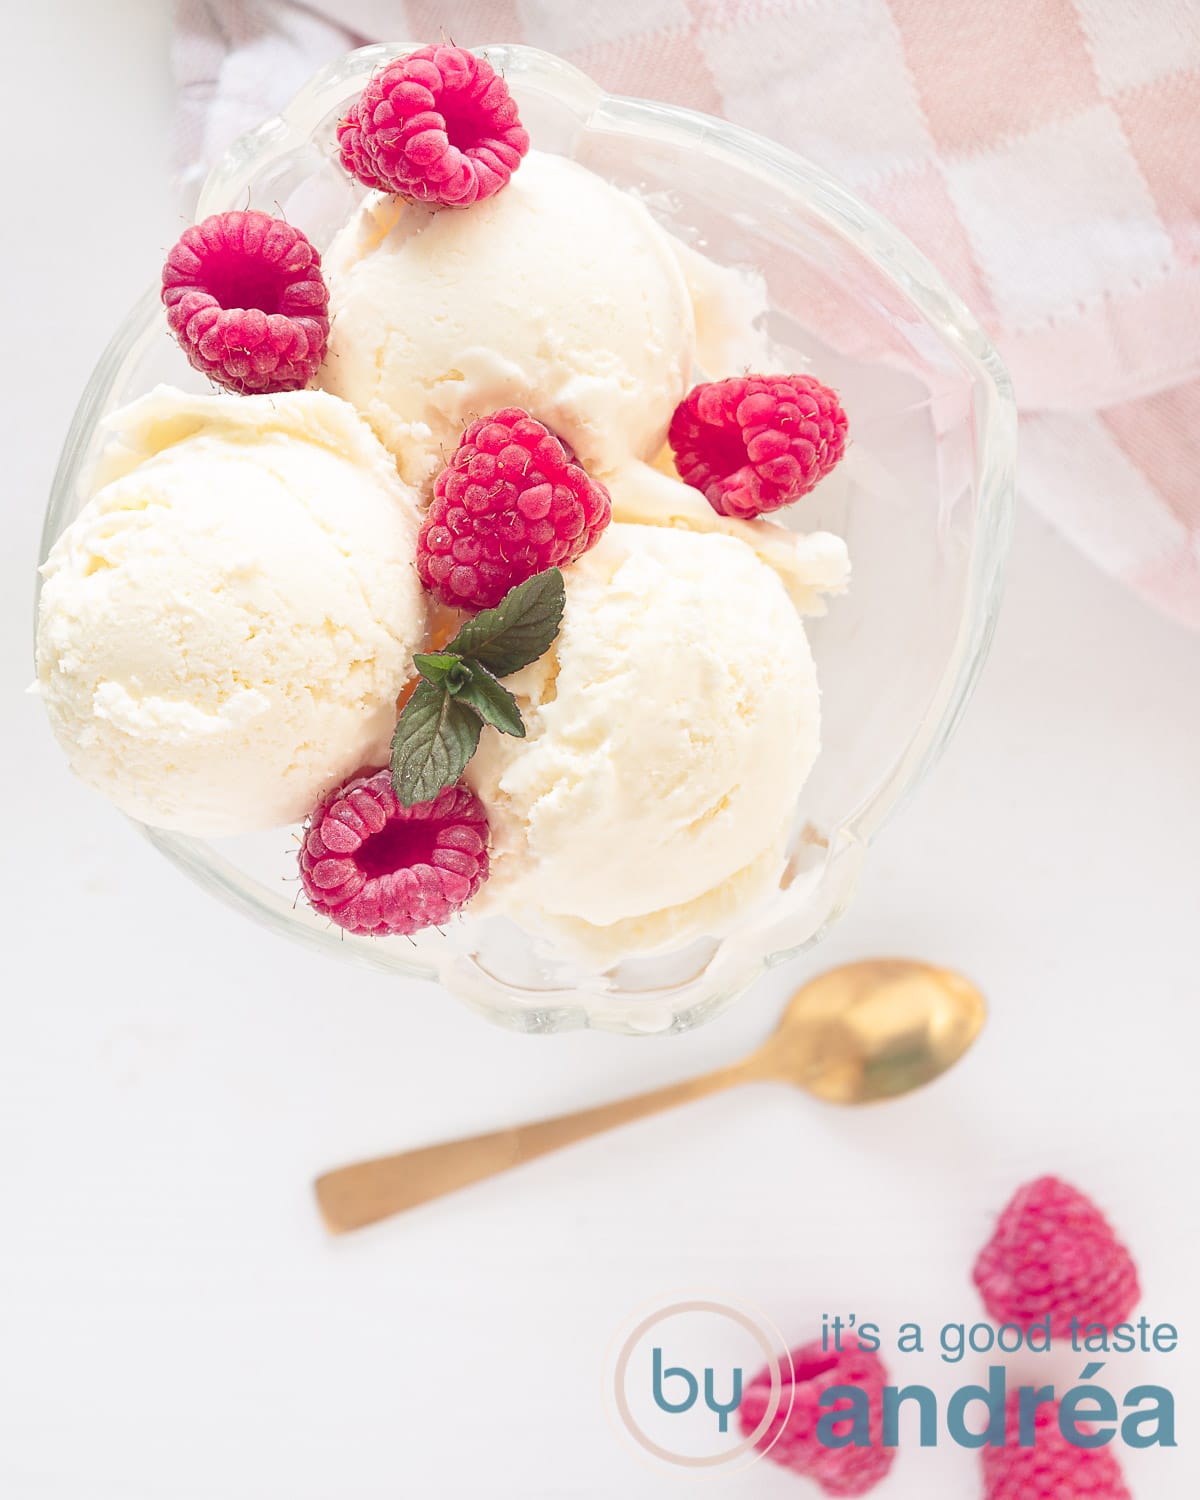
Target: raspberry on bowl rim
438	125
247	301
754	443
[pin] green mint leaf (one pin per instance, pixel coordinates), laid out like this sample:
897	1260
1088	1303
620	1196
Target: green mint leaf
491	701
518	630
436	667
459	676
443	669
435	738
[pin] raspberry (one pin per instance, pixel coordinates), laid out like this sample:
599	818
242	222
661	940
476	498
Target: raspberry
1054	1253
246	299
351	152
791	1439
512	502
375	867
1052	1469
755	442
439	125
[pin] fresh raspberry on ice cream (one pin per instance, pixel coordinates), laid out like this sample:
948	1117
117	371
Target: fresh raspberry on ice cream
246	299
1054	1252
353	153
791	1437
512	502
438	125
375	867
1053	1468
755	442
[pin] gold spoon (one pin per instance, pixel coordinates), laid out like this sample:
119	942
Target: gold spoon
861	1032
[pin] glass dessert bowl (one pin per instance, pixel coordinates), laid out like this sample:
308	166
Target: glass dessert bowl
922	499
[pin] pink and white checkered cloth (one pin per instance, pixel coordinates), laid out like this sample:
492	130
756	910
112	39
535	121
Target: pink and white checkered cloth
1045	154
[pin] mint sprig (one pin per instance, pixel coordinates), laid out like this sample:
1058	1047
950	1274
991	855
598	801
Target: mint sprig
518	630
439	737
438	731
491	700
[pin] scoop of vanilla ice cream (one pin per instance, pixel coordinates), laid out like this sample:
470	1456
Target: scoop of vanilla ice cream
729	305
560	294
811	564
669	731
224	629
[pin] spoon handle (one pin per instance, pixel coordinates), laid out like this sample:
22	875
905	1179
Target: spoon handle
352	1197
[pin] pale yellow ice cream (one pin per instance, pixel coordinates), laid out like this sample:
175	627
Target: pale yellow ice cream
669	731
729	306
560	295
812	565
225	627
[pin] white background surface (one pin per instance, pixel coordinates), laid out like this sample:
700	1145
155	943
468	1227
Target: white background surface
174	1322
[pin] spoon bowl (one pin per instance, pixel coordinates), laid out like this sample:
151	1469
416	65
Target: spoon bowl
874	1030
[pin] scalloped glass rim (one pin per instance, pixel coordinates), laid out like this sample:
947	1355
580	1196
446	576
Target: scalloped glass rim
729	973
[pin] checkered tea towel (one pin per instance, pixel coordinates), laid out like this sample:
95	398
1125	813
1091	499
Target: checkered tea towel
1044	153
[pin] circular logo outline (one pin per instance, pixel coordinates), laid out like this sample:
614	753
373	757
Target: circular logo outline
774	1365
